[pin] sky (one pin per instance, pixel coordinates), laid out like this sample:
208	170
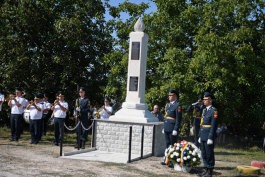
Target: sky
124	15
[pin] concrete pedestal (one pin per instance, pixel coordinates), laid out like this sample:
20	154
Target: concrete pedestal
113	136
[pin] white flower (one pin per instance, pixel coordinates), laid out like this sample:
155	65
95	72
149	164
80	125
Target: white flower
199	155
194	159
188	157
178	159
193	153
184	158
177	148
177	154
190	152
172	155
187	148
178	144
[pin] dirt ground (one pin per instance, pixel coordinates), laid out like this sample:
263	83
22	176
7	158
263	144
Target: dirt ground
23	159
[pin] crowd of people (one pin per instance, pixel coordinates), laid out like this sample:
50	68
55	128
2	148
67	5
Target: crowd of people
40	110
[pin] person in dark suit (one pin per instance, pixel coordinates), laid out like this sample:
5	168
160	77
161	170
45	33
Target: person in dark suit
173	117
196	110
207	134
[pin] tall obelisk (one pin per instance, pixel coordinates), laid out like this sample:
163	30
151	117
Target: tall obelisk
134	109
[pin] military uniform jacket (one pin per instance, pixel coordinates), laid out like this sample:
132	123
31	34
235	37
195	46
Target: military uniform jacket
172	111
84	106
208	124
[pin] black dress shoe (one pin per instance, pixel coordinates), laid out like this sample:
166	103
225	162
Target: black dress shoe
170	165
163	163
56	143
204	172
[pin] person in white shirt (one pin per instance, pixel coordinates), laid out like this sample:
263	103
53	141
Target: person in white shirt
46	114
16	104
2	99
35	107
59	108
26	102
107	109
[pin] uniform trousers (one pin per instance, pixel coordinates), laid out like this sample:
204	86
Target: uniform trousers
196	130
170	139
35	130
207	155
83	133
15	123
58	129
45	119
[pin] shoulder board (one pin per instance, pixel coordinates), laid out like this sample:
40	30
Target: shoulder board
179	108
214	108
215	114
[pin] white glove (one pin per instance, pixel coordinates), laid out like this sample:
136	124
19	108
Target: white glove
209	141
163	131
199	140
174	133
77	109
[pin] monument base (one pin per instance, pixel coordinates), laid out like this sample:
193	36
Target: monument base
113	136
134	112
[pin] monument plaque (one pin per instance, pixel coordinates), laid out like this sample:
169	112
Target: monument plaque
135	50
133	84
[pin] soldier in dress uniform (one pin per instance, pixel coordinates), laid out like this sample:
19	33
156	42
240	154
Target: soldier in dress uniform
82	108
196	109
173	117
207	134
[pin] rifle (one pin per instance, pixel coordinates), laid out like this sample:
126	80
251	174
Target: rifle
76	113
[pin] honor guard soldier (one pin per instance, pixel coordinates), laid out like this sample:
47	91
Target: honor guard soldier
59	109
173	117
82	108
35	107
196	110
207	134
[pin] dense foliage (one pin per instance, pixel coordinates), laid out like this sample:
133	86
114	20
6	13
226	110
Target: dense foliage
52	45
197	46
194	46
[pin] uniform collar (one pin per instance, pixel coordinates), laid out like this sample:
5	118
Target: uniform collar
208	108
172	102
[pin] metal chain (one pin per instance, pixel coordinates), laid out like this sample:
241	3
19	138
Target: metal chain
88	127
72	128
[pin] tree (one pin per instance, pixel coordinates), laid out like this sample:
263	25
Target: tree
197	46
54	45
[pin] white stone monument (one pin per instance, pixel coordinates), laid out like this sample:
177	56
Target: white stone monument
134	109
